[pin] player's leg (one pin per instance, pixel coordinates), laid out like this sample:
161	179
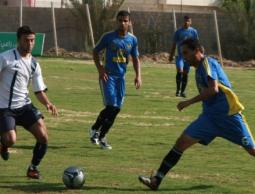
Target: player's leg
179	73
184	81
7	133
201	130
235	129
32	120
107	90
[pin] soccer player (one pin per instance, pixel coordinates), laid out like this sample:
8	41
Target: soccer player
117	45
182	68
221	115
17	69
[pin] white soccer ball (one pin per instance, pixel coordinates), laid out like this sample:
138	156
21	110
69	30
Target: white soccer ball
73	177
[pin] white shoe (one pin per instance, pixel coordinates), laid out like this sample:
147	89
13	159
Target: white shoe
94	135
104	145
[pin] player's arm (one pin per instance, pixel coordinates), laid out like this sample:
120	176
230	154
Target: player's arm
204	94
100	68
43	98
137	68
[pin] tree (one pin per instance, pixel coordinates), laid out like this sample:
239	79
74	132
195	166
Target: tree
242	17
102	16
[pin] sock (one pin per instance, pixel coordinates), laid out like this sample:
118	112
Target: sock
108	122
184	82
38	153
168	163
100	120
178	81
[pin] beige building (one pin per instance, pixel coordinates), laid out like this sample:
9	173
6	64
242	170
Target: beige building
37	3
169	5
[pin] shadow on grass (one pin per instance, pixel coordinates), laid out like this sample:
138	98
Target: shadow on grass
30	147
35	187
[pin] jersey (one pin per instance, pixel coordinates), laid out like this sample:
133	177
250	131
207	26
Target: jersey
182	34
15	75
117	51
225	102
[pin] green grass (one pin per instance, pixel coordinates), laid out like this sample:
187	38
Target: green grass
144	131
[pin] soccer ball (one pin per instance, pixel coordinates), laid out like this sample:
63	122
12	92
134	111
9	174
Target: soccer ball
73	177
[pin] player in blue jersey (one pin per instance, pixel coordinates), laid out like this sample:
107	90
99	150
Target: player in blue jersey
182	68
117	45
221	115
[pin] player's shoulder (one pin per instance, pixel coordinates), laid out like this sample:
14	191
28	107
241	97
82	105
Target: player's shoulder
9	54
131	36
109	34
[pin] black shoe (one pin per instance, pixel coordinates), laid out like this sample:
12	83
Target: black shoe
104	145
94	135
150	182
4	152
177	94
183	95
33	172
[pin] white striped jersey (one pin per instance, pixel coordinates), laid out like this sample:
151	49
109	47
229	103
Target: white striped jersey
15	75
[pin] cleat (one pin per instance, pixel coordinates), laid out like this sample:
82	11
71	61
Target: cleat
150	182
94	136
4	153
104	145
33	173
177	94
183	95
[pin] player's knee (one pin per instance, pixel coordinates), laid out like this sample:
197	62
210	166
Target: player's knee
9	139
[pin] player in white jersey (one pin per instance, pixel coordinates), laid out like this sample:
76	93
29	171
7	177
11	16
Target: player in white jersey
17	69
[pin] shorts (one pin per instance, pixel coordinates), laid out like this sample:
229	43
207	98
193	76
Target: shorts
113	91
25	116
181	64
233	128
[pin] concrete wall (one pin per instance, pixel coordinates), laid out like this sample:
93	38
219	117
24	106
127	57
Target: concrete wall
69	31
154	30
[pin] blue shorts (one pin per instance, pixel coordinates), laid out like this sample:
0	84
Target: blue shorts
233	128
25	116
113	91
181	64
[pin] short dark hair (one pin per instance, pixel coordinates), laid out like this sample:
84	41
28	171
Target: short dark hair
186	17
123	13
192	44
24	30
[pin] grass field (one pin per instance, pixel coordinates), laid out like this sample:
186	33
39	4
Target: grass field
144	131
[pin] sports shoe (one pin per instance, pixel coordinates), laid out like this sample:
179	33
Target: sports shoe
177	94
150	182
4	152
94	135
183	95
104	145
33	172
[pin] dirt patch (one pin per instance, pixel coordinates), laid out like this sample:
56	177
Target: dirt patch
161	57
68	54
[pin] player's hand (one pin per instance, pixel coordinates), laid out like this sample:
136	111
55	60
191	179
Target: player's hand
138	82
171	58
52	108
183	104
102	74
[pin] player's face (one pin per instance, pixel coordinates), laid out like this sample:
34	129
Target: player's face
123	23
187	23
26	42
189	55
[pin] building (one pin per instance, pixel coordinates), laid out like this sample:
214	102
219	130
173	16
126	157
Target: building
169	5
37	3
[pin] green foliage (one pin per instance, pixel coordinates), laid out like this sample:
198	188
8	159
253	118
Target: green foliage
143	133
242	19
102	17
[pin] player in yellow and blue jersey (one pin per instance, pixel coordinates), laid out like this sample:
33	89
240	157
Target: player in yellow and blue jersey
117	45
221	115
182	68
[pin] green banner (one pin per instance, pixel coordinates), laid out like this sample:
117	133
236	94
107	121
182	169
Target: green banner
8	40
